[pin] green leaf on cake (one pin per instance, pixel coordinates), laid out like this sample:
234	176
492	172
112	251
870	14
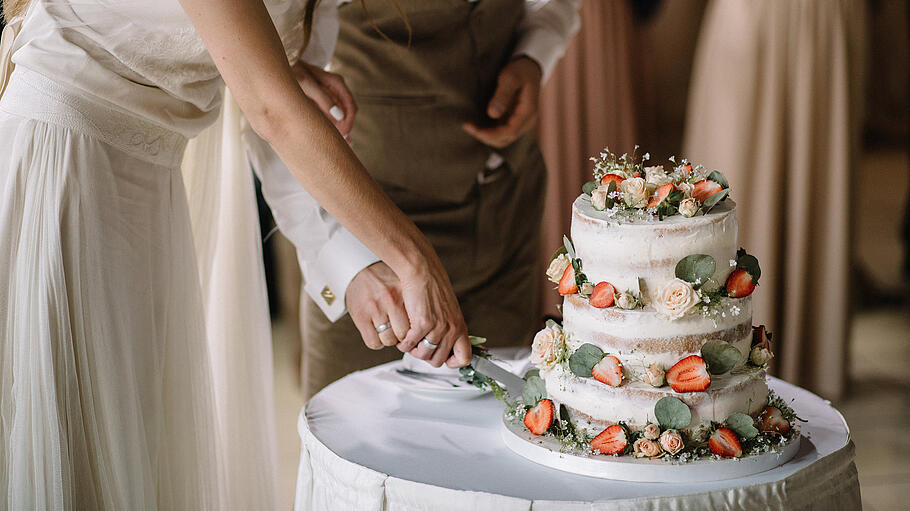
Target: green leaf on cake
532	372
748	262
712	201
569	248
742	425
611	200
560	251
696	268
589	187
584	359
533	391
672	413
675	197
719	178
720	356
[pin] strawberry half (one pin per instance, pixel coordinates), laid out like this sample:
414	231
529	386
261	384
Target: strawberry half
539	418
689	375
602	297
611	177
567	284
612	440
739	284
724	442
704	189
662	194
687	169
608	370
772	420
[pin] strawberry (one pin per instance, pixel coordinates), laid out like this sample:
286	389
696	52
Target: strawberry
662	193
567	284
689	375
539	418
724	442
740	284
608	370
602	297
687	169
772	420
611	177
761	337
704	189
612	440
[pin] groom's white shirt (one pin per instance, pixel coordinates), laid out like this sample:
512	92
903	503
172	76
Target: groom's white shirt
330	257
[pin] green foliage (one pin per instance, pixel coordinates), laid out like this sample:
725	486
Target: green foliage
569	248
533	391
721	356
712	201
589	187
748	262
672	413
742	425
719	178
696	268
611	201
584	359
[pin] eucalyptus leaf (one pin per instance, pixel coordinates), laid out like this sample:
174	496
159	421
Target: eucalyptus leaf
749	263
532	372
552	324
712	201
696	267
569	248
672	413
533	390
589	187
719	178
611	201
560	251
742	425
721	356
675	197
584	359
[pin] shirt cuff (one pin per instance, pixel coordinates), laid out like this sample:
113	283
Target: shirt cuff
544	47
335	266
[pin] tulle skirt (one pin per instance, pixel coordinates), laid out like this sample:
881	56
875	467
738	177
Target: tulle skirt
106	394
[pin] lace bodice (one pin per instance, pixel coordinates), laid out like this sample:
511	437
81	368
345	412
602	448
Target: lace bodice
141	56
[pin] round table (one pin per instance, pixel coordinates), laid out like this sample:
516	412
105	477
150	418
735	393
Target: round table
368	445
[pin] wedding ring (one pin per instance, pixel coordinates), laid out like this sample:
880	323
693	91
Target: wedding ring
383	327
426	342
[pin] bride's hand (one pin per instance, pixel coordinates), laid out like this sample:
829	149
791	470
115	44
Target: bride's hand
330	94
434	315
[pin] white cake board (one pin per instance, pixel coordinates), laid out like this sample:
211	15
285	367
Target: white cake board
545	451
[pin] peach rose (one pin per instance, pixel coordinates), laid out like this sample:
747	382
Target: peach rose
675	299
626	300
634	192
688	207
599	197
548	348
671	441
656	177
651	432
557	267
644	448
654	376
586	289
688	189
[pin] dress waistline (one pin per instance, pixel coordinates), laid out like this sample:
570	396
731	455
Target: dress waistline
34	96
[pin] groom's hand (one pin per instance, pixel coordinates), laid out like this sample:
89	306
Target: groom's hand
513	106
373	299
330	94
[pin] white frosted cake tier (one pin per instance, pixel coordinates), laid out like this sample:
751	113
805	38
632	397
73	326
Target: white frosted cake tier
642	337
622	251
593	405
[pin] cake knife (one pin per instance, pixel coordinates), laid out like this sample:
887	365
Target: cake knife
511	381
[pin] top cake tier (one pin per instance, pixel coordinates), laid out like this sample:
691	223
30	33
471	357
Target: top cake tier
622	251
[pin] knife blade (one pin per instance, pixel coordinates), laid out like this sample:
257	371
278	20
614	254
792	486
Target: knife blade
511	381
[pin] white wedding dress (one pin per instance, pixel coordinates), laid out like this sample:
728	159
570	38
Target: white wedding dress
135	364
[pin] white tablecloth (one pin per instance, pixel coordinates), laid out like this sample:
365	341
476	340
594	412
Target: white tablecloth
367	445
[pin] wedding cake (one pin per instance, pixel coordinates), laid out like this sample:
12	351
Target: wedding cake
657	355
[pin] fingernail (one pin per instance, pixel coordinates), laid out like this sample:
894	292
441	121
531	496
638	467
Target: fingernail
496	110
336	112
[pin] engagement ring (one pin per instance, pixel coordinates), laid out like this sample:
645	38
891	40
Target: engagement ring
426	342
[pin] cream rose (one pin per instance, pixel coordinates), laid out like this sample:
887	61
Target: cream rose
672	441
626	300
688	189
557	267
586	289
634	192
655	375
656	177
652	432
760	355
688	207
548	347
675	299
644	448
599	197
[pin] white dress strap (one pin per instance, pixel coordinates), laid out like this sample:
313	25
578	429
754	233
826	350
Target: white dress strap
6	50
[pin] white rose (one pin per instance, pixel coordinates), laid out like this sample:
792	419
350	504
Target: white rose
760	355
671	441
644	448
688	207
548	347
599	197
656	176
626	300
675	299
688	189
586	289
652	432
634	192
655	375
557	267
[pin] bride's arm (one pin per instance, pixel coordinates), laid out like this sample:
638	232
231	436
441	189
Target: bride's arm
246	48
